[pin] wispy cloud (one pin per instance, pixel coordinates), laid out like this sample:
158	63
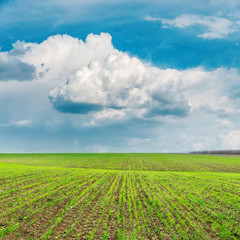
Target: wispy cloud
212	27
133	141
20	123
224	122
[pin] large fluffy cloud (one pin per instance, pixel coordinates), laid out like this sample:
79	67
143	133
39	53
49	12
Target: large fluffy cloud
91	77
61	54
91	83
57	56
120	83
119	86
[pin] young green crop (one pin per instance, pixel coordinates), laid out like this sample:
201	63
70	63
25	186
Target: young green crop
119	196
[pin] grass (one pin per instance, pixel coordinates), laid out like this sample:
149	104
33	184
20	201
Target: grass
119	196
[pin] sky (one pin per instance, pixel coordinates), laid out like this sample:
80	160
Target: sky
119	76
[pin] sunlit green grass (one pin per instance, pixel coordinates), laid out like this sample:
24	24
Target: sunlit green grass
122	161
119	196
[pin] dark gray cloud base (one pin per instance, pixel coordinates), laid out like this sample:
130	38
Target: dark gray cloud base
14	69
74	108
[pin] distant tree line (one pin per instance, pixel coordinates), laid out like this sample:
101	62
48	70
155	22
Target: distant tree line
217	152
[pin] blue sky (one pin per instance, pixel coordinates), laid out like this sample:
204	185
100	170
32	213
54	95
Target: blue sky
119	76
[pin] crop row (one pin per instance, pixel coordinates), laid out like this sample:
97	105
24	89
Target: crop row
57	203
114	161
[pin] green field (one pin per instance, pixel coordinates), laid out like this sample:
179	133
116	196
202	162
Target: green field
119	196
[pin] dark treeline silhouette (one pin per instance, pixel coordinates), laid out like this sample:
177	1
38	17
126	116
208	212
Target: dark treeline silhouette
230	152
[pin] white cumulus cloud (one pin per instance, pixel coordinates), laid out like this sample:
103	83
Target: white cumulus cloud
92	77
57	56
231	140
119	87
61	54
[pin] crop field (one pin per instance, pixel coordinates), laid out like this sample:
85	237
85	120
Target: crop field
119	196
